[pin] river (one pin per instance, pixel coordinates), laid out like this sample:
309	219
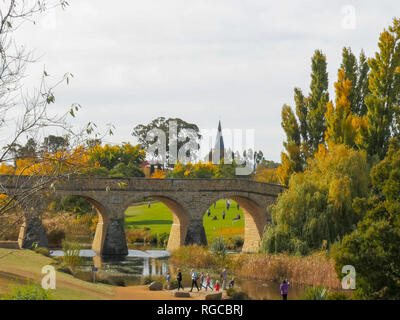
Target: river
129	271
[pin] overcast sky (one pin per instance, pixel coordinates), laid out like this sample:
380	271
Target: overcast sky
199	60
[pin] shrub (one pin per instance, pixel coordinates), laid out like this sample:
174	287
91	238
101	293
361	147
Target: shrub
238	242
137	235
218	247
316	293
28	291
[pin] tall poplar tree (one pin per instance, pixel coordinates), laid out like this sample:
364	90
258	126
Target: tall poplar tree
317	101
292	160
342	124
306	132
357	73
383	103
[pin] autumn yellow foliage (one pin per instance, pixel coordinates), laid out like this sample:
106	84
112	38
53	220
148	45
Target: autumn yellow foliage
342	125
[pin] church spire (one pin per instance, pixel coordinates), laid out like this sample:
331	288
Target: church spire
218	153
219	141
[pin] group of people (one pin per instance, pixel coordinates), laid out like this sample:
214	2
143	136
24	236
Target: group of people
200	281
227	205
206	282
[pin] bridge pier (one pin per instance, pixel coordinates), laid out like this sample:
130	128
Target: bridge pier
32	233
115	241
196	233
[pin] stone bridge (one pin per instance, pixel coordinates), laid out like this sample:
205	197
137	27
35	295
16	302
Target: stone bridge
188	200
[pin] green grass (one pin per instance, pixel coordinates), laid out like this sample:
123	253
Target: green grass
27	265
159	218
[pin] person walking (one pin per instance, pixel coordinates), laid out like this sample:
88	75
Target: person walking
149	204
232	283
194	277
224	277
217	286
223	215
179	279
237	206
284	287
208	282
208	213
201	280
168	278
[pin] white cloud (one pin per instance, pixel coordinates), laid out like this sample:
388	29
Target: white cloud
203	60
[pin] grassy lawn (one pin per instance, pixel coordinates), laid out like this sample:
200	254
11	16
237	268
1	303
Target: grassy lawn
26	264
159	218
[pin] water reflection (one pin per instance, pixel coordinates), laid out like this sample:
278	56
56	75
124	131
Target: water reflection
121	270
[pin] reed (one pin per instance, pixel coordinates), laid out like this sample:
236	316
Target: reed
195	256
316	269
71	256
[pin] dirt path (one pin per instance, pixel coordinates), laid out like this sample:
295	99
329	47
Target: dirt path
143	293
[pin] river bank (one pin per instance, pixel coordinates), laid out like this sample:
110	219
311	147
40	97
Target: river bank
314	270
22	266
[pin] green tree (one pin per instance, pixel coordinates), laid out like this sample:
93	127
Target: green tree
362	85
343	126
383	102
350	67
374	248
306	132
141	131
317	207
317	101
52	143
117	161
357	73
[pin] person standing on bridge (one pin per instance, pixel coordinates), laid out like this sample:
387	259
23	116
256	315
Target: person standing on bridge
179	279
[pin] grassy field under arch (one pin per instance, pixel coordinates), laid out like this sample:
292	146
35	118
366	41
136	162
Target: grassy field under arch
159	219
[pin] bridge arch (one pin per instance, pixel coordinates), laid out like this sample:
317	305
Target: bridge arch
180	216
103	219
256	216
